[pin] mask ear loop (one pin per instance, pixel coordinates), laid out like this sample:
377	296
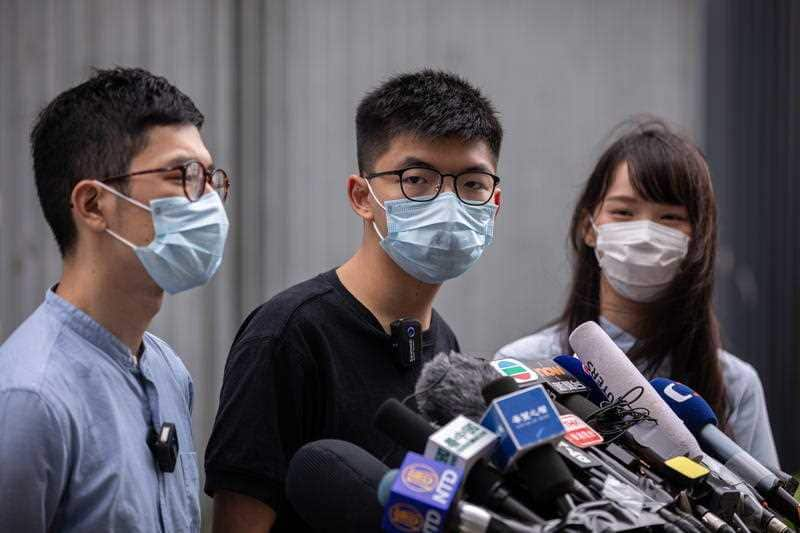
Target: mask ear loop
594	226
375	226
131	200
115	192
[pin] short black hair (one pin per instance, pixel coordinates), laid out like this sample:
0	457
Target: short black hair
430	104
94	130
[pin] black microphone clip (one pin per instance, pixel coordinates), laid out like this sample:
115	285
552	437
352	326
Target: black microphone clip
406	342
164	445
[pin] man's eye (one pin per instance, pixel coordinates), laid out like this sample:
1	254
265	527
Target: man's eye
415	180
475	186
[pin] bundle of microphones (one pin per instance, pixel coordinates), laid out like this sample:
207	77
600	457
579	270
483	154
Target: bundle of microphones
579	443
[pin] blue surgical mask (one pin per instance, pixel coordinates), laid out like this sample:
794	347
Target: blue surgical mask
437	240
189	240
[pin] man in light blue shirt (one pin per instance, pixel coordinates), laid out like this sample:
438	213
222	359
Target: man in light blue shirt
135	204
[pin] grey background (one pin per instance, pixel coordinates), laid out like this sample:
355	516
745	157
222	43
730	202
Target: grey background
279	81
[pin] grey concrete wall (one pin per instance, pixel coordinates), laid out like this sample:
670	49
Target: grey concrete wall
279	82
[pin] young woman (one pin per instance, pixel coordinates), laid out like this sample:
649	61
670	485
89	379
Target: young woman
644	235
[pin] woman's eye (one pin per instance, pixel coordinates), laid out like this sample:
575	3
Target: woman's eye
673	216
622	212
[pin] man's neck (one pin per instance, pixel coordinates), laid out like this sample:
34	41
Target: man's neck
122	308
385	289
622	312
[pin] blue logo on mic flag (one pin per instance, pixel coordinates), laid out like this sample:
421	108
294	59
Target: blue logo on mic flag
421	495
524	419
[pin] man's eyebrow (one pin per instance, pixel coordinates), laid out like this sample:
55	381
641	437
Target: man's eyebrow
181	160
412	161
478	168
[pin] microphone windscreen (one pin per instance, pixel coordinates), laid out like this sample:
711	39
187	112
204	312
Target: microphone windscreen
450	385
403	425
333	484
574	366
686	403
616	375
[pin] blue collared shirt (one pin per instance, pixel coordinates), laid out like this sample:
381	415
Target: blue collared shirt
75	412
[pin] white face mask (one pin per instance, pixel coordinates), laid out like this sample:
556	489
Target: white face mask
640	258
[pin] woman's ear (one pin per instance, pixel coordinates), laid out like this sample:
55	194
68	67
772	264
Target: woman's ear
589	233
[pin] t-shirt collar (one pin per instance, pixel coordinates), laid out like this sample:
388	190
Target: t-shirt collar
428	336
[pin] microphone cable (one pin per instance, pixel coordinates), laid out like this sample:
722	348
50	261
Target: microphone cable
613	419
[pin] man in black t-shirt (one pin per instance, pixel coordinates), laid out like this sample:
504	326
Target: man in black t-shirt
316	360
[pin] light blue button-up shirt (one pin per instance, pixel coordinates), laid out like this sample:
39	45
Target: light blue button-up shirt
75	412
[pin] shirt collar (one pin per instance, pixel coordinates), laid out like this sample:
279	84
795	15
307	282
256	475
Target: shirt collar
87	328
625	342
621	338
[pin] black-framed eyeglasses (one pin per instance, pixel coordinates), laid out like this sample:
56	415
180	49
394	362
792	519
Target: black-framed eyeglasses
422	184
194	177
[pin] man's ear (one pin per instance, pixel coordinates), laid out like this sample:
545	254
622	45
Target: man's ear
360	197
497	198
90	206
589	234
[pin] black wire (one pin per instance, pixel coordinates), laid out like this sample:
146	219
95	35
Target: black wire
613	419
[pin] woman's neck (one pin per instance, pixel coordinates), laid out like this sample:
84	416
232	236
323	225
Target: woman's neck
622	312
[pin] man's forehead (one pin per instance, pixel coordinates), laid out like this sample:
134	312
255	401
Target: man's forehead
439	151
173	145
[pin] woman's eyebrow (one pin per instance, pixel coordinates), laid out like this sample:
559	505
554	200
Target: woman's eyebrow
622	198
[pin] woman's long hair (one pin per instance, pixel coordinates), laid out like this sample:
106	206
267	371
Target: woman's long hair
680	327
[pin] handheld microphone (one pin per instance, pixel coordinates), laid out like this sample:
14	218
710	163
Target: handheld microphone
701	421
615	375
574	366
484	485
527	423
461	442
748	505
332	484
450	384
421	496
470	518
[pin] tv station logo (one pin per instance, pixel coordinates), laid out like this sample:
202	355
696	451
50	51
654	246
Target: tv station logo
420	477
579	433
515	369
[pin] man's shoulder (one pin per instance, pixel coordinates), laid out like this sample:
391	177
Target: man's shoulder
168	355
441	323
299	303
544	343
28	357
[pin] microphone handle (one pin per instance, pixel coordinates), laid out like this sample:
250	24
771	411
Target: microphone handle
783	502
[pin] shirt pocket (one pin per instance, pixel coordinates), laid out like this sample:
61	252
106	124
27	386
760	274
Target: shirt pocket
191	487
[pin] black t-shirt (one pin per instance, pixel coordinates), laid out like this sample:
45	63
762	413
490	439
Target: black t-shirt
309	364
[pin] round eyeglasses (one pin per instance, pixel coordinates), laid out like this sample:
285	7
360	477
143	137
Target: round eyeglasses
422	184
194	177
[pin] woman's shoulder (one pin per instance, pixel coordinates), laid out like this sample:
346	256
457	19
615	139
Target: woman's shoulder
542	344
740	376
